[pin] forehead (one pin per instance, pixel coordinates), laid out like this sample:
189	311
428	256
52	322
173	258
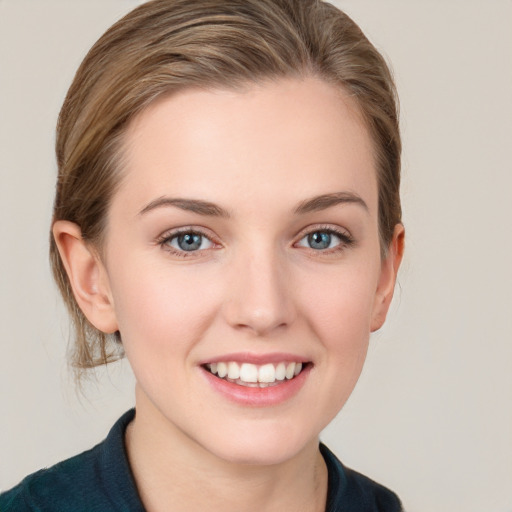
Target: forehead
278	140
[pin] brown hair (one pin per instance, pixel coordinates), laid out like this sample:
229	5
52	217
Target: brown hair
167	45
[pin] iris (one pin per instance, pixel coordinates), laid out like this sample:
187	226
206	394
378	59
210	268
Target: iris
319	240
189	241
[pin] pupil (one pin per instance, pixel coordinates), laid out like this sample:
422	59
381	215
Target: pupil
189	242
319	240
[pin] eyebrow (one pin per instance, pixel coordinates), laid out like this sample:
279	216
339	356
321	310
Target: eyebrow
206	208
190	205
325	201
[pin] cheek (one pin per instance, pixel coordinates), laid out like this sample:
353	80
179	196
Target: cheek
339	310
160	310
339	304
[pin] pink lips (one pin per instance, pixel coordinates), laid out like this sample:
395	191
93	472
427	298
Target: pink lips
257	396
258	359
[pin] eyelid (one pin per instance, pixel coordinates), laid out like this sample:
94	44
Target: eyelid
163	239
338	230
346	238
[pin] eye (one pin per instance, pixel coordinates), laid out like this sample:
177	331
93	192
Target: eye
188	241
324	239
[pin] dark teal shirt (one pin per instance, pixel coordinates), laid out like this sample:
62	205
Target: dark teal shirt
100	480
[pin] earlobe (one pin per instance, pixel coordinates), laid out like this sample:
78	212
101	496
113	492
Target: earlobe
87	276
389	271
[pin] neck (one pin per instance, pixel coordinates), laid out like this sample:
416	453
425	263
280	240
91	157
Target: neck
172	472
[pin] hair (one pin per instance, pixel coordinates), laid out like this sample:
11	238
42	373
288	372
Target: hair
165	46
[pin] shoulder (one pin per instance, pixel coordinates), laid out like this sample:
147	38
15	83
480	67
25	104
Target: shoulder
351	491
98	479
54	488
60	487
375	496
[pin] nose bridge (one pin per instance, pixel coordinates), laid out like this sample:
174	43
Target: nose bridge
259	299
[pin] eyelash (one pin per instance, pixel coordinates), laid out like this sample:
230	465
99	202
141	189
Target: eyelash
345	238
166	238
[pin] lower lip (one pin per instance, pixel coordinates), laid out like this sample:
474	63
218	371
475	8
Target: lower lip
258	397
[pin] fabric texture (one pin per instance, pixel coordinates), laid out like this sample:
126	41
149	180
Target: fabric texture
100	480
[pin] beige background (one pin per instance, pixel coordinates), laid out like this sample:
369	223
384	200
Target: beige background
432	414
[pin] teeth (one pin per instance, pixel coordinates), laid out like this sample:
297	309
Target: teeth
233	371
267	373
280	371
222	370
248	372
290	370
252	374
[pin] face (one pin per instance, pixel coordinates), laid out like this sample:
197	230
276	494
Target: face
243	264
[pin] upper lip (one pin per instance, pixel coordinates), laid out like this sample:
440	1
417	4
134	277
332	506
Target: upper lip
258	359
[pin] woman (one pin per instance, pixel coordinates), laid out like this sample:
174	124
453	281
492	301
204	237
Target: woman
228	216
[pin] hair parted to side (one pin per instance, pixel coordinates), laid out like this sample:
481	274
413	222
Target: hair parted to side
168	45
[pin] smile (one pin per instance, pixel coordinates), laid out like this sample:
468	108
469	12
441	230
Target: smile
252	375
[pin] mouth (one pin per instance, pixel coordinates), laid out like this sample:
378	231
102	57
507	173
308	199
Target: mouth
254	375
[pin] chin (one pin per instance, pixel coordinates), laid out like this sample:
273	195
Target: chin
266	445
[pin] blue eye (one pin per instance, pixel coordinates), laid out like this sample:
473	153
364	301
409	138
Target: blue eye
319	240
189	242
324	239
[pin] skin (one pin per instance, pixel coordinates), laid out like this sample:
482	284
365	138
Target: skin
255	286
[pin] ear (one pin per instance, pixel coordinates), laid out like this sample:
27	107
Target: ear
87	276
387	279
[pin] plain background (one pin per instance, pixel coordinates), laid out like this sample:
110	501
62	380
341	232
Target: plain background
432	414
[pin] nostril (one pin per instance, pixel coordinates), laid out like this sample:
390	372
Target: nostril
260	328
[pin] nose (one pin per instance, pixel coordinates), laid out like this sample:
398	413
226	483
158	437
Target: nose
259	300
